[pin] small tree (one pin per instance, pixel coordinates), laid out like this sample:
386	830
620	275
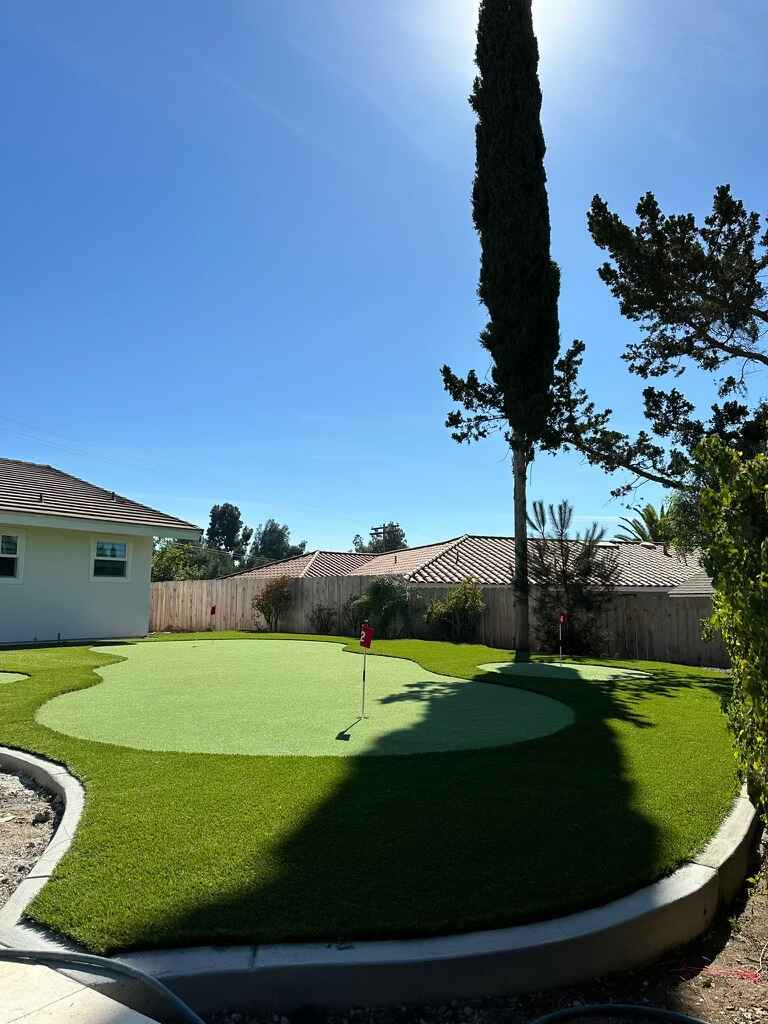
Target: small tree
386	605
574	575
273	602
458	614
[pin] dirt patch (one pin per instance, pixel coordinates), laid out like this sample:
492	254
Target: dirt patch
722	978
28	818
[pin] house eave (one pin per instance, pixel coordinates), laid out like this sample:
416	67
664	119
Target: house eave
55	522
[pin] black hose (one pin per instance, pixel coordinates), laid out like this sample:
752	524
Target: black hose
627	1010
103	965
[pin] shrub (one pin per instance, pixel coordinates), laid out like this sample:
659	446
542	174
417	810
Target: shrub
350	618
273	602
573	575
322	618
457	615
734	525
386	605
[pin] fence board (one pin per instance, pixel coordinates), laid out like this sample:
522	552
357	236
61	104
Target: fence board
651	626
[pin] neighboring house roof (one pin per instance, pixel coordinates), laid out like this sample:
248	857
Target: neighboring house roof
654	565
699	585
406	562
30	489
489	560
313	563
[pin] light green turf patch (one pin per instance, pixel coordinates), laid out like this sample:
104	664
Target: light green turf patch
567	670
10	677
281	697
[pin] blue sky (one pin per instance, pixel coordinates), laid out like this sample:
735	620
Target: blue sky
238	242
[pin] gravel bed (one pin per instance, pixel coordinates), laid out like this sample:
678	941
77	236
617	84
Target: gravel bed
28	818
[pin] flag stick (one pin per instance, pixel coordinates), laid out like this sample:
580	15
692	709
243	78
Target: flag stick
362	706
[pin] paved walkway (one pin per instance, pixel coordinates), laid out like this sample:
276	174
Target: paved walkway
39	995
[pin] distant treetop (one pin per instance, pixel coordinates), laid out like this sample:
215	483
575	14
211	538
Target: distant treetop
387	537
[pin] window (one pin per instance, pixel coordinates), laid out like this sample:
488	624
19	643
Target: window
110	559
10	562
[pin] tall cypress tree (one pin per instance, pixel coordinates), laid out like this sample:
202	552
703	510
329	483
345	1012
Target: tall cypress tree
519	283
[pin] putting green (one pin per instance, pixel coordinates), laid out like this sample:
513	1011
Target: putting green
291	697
554	670
11	677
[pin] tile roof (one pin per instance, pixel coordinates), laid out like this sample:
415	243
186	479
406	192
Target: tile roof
405	562
489	560
646	565
313	563
26	487
699	585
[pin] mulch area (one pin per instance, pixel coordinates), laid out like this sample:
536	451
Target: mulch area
28	818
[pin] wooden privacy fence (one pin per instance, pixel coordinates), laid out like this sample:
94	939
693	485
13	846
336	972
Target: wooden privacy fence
652	626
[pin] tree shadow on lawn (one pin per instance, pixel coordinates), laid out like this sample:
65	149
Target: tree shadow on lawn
444	842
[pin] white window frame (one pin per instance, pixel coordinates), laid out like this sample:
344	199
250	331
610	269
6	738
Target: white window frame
101	539
14	531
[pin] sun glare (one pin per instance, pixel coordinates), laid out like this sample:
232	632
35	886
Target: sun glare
446	29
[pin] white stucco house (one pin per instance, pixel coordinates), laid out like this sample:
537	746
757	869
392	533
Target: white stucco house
75	559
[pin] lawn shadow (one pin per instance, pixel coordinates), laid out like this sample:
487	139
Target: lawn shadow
445	842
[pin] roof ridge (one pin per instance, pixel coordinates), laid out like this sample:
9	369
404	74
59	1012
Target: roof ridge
356	554
415	547
23	462
266	565
450	545
311	555
312	559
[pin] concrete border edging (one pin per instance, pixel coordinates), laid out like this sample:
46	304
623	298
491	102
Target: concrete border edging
56	779
617	936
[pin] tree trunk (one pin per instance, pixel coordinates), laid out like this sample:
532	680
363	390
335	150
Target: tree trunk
520	471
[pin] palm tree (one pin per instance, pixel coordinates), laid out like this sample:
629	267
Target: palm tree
652	526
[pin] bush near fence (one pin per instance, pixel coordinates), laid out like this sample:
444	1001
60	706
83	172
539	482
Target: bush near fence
652	626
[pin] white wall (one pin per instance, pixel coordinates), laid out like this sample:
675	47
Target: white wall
56	593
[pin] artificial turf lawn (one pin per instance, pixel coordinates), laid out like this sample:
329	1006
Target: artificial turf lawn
10	677
283	697
179	849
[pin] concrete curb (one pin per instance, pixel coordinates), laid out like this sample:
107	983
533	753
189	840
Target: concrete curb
620	935
56	779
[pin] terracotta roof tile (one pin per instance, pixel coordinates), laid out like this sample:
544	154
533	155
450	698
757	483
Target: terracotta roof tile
491	561
26	487
405	562
699	585
313	563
